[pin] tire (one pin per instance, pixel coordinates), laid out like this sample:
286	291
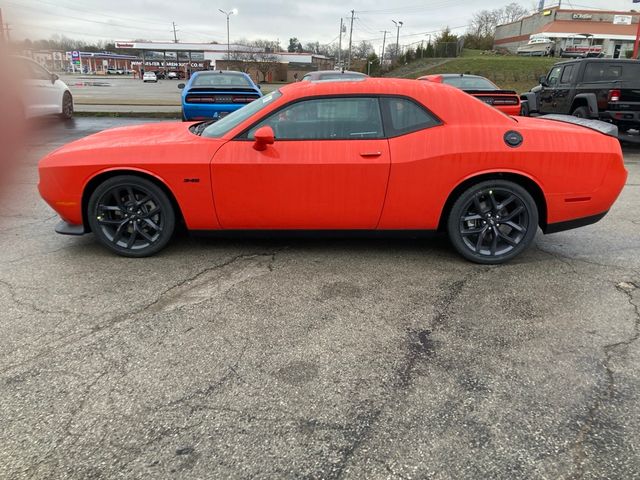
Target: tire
67	106
131	216
492	222
581	112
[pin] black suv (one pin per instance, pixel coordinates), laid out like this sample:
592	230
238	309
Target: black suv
605	89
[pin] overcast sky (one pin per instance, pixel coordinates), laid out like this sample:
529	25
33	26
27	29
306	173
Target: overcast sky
200	20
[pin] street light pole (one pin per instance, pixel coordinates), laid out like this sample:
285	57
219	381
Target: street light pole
228	14
398	25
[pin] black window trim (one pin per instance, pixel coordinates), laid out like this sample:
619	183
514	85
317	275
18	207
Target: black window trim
384	116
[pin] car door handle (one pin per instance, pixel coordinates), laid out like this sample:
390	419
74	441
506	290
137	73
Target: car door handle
370	154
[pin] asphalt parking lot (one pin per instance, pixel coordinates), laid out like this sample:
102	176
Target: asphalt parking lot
315	358
126	90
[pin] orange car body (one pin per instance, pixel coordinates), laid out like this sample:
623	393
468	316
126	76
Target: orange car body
403	182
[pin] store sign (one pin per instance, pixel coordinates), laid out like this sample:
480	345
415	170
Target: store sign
622	19
582	16
170	64
124	45
75	57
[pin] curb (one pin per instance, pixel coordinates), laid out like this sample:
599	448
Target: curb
171	115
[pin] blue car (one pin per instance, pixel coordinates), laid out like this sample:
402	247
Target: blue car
213	94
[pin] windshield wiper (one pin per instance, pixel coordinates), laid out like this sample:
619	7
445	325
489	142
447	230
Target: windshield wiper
200	127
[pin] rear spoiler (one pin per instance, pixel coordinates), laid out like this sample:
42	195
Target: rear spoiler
602	127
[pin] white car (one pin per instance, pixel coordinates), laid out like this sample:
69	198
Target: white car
149	77
43	93
173	75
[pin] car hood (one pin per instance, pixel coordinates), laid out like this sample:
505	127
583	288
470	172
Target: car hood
151	134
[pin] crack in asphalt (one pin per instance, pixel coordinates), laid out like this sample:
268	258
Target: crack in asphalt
567	259
609	390
29	305
117	319
360	431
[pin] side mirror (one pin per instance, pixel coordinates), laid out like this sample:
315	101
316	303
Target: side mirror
263	137
181	86
54	78
259	87
543	80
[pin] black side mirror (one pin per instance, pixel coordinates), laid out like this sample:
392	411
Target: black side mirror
181	86
543	81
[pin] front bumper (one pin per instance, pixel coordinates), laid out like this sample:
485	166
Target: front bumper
66	228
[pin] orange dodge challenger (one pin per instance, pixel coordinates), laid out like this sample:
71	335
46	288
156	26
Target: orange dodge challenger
507	101
359	154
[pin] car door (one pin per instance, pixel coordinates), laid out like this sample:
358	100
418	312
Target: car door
549	90
46	95
327	169
563	97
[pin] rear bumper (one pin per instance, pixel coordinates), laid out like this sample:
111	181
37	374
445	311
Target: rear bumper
201	112
576	223
622	116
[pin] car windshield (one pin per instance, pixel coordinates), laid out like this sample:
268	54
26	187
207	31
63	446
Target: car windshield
222	80
225	124
469	83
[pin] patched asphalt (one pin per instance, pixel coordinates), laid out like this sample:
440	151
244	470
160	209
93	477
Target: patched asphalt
315	358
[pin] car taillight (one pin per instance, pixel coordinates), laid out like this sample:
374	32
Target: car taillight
614	95
505	101
243	99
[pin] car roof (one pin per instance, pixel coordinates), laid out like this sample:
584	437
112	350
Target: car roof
219	72
355	86
599	60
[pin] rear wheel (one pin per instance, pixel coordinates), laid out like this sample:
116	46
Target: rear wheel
67	106
493	221
581	112
131	216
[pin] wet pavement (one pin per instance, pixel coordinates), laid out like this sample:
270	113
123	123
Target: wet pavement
315	358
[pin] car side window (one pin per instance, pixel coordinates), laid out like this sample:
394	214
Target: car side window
602	72
554	76
567	74
340	118
405	116
37	72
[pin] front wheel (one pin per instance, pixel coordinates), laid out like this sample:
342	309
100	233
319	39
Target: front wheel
131	216
67	106
493	221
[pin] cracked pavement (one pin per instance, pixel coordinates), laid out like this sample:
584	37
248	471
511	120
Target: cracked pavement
330	359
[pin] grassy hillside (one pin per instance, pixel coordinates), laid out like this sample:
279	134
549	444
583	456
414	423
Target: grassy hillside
508	72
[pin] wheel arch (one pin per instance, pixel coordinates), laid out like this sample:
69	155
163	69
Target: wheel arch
588	100
93	183
526	182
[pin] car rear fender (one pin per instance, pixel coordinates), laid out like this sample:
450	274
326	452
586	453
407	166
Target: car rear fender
532	185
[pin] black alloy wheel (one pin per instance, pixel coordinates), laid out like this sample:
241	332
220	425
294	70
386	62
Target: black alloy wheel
131	216
493	221
67	106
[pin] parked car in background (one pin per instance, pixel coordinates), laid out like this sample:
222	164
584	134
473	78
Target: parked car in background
173	75
43	93
377	154
333	75
150	77
214	94
601	88
507	101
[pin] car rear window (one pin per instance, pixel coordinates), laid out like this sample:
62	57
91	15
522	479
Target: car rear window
406	116
602	72
469	83
222	80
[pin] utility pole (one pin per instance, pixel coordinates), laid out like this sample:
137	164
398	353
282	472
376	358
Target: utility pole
340	45
398	25
635	45
353	12
384	40
175	38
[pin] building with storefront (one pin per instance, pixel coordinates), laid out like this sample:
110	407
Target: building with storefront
612	33
191	57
